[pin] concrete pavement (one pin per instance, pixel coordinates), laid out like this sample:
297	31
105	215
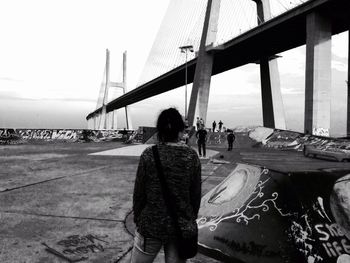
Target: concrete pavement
59	203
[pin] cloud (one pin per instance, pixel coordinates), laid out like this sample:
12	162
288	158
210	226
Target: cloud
339	45
10	79
339	63
10	95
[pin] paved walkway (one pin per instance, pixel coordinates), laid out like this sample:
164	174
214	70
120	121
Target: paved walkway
73	200
59	203
136	150
132	150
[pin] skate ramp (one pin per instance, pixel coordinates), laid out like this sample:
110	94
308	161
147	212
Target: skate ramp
291	140
258	215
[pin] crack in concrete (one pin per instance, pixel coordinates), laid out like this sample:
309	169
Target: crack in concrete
53	179
67	217
124	254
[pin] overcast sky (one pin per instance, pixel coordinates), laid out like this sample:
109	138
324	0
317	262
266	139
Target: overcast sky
52	57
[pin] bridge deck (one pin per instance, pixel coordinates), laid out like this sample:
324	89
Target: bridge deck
277	35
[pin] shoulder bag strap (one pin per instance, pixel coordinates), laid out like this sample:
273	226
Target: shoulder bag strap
165	190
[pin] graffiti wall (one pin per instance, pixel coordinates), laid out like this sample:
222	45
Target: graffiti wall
17	136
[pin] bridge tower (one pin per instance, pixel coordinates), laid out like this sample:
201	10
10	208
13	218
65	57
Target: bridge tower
273	110
201	84
108	120
347	82
272	103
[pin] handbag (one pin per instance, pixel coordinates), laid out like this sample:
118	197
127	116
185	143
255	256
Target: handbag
187	246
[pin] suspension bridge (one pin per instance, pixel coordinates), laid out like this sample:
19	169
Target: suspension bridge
228	34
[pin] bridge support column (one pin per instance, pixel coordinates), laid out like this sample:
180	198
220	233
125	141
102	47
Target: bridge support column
201	83
90	124
266	94
348	102
114	120
271	96
318	75
110	122
127	109
97	117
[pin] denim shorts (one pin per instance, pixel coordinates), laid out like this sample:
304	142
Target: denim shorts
146	249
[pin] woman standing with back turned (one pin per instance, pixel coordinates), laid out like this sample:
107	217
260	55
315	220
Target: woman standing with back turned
181	170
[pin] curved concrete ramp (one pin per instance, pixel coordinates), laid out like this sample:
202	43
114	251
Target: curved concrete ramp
245	218
257	215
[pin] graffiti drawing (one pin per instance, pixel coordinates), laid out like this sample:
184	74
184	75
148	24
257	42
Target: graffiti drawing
216	138
257	204
301	234
77	244
320	132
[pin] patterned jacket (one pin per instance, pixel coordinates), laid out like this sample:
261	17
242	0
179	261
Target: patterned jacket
182	171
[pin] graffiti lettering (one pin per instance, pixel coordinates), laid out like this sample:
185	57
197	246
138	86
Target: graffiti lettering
8	136
77	244
333	248
320	132
216	138
94	248
250	248
76	240
329	230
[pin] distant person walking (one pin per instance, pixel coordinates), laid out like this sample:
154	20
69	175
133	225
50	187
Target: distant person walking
198	123
214	126
124	133
186	123
220	125
201	135
201	121
177	166
230	139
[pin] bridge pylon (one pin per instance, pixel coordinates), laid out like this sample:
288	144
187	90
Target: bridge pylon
108	120
271	96
348	85
272	103
201	84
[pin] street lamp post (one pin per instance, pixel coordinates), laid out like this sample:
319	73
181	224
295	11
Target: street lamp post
185	49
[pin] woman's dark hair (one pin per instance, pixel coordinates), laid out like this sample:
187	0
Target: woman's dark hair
169	124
